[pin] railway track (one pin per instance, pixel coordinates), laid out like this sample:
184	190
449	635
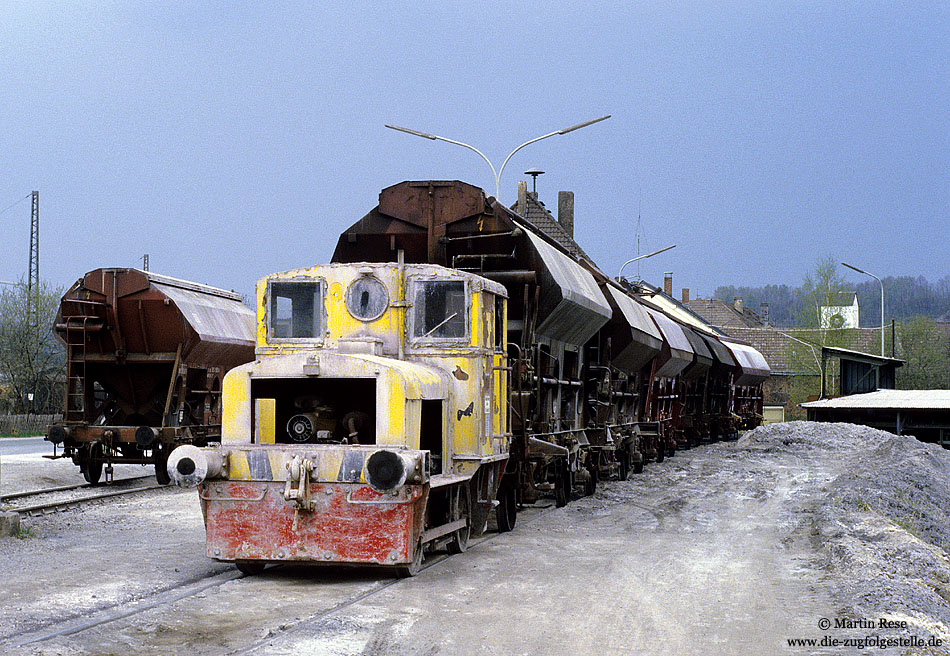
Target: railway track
186	589
38	502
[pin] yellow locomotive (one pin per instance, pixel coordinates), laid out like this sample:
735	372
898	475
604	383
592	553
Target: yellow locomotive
372	425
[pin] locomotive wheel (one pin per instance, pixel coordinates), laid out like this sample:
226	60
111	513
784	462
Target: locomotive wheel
659	453
413	568
91	468
250	567
459	542
160	456
506	512
638	467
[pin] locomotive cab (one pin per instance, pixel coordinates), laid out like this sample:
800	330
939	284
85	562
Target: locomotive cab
377	401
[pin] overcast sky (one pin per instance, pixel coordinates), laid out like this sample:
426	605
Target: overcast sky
229	143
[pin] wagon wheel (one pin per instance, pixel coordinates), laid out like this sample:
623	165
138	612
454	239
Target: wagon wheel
623	470
91	467
460	510
506	512
413	568
160	456
590	485
250	567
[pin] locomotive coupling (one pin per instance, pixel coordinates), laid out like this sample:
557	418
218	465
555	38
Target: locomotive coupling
188	465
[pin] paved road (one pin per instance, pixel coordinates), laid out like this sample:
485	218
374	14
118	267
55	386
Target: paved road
21	446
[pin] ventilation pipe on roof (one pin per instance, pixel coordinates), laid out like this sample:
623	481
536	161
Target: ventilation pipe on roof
522	197
565	211
737	304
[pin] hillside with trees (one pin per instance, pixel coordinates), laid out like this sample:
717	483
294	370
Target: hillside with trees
905	298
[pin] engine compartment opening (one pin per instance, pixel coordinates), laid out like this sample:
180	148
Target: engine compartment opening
320	410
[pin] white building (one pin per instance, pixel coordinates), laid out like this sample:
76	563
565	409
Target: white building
844	312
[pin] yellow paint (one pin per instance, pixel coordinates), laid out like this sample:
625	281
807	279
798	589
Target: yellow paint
328	465
265	419
238	468
476	328
400	384
278	465
236	411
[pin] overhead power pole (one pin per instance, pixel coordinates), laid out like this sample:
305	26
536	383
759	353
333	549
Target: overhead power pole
33	280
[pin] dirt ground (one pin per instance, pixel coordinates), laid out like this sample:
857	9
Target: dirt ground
730	548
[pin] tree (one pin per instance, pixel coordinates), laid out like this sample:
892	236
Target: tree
821	287
32	360
926	355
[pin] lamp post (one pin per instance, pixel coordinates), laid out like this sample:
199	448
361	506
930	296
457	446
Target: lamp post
854	268
426	135
643	257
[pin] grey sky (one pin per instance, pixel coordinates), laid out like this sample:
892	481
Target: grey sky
232	143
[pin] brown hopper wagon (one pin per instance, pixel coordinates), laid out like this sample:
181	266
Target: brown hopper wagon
145	357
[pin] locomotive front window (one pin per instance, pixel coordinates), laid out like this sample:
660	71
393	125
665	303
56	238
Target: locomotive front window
296	310
439	310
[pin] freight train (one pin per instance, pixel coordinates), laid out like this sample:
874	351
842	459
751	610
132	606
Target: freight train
145	357
457	358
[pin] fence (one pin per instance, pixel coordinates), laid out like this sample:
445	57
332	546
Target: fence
26	424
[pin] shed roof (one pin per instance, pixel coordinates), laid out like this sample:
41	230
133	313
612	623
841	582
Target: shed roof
889	400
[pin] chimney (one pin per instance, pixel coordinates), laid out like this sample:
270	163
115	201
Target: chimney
668	283
764	313
522	197
685	295
737	303
565	211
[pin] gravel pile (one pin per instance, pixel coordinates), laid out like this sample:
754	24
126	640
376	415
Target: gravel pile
882	526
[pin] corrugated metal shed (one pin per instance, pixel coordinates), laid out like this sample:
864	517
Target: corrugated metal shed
889	400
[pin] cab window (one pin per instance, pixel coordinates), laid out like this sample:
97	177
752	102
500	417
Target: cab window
439	310
295	309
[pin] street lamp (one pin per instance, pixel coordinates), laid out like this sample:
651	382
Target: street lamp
643	257
426	135
882	299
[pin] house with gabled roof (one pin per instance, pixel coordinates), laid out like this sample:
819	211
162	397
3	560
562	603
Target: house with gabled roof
841	311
